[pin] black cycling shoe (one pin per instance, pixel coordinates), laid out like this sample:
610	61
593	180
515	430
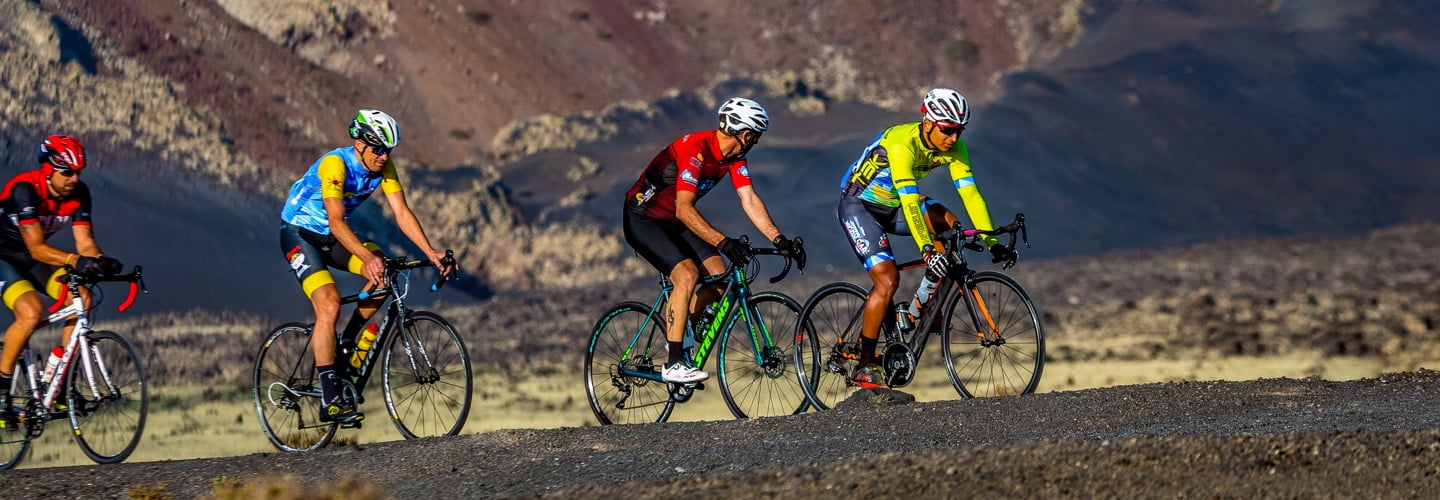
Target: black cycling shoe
8	420
345	414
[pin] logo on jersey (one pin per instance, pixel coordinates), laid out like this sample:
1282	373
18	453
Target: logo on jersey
642	197
297	261
688	177
744	171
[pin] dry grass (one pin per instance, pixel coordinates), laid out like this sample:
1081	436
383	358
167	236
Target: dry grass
289	487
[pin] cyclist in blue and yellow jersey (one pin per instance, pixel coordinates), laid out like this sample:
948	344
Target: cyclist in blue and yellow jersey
879	196
314	235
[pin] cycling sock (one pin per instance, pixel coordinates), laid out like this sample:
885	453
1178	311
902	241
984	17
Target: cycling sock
5	384
327	384
677	352
867	349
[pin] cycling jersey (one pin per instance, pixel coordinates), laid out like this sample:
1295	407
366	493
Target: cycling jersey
26	200
886	173
337	174
692	163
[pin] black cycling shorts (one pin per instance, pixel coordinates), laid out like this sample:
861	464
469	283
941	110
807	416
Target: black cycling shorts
310	253
18	273
665	244
866	226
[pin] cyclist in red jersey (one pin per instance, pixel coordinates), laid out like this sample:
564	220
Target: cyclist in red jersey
663	226
37	204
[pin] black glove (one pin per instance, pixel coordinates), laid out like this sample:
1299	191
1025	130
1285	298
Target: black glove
1001	253
794	249
734	250
937	265
110	265
89	265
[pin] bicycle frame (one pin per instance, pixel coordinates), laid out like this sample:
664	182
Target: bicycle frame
959	275
737	291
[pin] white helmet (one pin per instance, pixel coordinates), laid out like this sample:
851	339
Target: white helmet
375	128
946	106
739	114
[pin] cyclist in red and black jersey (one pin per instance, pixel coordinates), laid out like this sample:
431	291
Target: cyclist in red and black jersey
663	226
37	204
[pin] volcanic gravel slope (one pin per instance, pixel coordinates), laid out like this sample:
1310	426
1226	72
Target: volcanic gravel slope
1274	437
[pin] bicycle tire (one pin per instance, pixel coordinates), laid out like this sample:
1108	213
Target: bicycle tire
282	384
761	385
832	312
985	369
610	396
108	397
15	443
427	377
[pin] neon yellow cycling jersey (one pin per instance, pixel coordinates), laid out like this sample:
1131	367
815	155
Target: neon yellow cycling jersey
886	173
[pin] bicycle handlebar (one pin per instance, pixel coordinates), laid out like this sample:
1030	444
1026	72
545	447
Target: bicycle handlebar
396	264
1017	227
752	251
136	280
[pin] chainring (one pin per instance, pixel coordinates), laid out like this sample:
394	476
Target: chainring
899	364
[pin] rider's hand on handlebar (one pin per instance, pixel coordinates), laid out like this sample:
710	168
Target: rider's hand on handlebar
374	269
1001	253
447	268
794	249
734	250
97	266
937	263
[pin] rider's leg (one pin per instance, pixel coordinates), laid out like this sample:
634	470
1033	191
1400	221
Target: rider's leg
886	278
28	310
706	294
365	309
683	276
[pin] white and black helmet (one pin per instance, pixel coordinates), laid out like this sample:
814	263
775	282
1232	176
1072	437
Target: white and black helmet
375	128
739	114
946	107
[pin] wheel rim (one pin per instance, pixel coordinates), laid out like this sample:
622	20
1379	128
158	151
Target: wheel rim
757	382
620	399
108	418
1008	360
833	318
428	379
285	390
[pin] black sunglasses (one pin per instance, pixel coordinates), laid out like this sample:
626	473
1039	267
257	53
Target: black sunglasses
67	172
956	130
379	150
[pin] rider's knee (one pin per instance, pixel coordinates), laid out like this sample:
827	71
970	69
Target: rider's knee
326	301
685	274
28	310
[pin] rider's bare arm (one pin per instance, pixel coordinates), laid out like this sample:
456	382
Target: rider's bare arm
85	241
755	209
35	242
686	212
410	225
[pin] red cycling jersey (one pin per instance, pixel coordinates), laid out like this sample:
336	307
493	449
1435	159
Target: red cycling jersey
26	200
692	163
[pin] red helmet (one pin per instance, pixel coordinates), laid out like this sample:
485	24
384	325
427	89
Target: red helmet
61	152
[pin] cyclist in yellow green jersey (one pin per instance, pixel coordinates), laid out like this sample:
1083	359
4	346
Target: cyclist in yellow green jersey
879	197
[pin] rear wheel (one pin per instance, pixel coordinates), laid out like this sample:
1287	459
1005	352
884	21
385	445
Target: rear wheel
427	378
628	339
108	397
15	442
998	348
756	360
828	349
287	391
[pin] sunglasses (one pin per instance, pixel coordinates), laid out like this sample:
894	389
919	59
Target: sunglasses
956	130
67	172
379	150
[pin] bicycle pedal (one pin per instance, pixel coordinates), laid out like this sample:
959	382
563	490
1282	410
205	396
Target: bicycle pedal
351	425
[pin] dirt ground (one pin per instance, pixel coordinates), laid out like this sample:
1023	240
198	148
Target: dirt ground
1274	437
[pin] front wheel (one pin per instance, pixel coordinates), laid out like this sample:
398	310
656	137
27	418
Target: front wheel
427	378
994	344
628	340
755	360
15	442
287	391
108	397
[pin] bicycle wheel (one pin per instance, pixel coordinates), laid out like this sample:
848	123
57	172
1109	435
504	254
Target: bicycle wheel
108	397
997	349
15	442
755	360
287	392
631	337
427	377
829	346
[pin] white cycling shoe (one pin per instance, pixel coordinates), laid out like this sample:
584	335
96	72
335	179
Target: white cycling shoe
681	373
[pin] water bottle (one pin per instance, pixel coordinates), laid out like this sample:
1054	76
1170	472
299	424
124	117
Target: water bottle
362	346
690	336
52	365
903	320
922	295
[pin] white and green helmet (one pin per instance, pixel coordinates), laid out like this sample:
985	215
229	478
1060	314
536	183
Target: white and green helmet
375	128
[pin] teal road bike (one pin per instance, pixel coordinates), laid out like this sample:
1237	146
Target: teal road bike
628	349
